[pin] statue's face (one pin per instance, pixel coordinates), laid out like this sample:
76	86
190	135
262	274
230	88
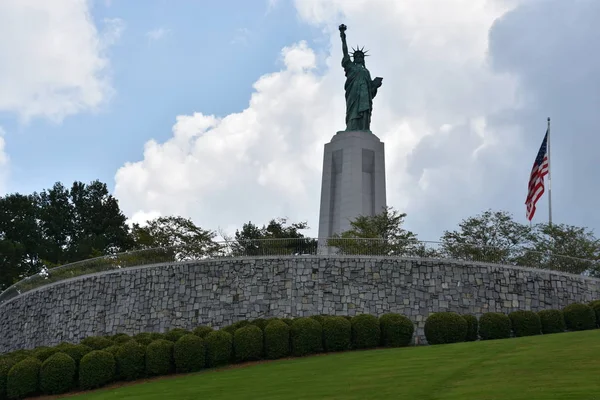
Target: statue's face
359	59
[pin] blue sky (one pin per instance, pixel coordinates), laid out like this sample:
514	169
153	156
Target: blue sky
219	111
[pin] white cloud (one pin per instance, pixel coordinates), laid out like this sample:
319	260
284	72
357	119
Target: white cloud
432	111
3	161
157	34
52	58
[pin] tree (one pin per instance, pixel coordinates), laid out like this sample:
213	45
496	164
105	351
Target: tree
275	238
177	236
489	237
564	248
380	234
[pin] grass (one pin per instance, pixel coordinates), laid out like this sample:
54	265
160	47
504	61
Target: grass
559	366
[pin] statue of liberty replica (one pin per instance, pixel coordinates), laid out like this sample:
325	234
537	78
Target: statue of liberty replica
360	89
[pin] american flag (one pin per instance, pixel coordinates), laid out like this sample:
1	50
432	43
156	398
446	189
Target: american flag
536	180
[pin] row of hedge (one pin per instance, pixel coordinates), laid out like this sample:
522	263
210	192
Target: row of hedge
450	327
98	361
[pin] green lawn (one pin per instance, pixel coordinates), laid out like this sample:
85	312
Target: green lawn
560	366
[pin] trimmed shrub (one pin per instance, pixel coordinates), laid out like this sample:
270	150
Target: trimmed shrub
396	330
260	322
348	317
75	351
159	358
189	353
113	349
58	374
97	342
156	336
596	307
248	343
288	321
131	361
235	326
525	323
493	325
20	355
472	328
202	331
219	348
6	363
277	340
337	333
43	353
366	332
121	338
306	335
319	318
23	379
579	317
445	327
97	369
552	321
175	334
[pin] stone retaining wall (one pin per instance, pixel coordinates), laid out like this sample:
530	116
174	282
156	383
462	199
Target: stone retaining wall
220	292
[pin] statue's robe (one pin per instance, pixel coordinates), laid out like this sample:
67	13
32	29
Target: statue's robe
360	91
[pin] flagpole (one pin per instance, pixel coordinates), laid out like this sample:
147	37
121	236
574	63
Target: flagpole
549	179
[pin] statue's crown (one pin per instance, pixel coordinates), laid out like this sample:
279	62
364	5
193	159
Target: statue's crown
359	51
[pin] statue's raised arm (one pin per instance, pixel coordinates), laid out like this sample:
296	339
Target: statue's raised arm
360	88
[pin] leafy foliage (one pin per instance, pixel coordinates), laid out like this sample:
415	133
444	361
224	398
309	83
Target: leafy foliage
189	353
276	238
596	307
579	317
97	369
219	348
6	363
366	332
58	374
248	343
175	334
525	323
202	331
472	327
445	327
396	330
159	358
493	325
23	378
97	342
337	334
131	361
44	352
277	339
552	321
306	335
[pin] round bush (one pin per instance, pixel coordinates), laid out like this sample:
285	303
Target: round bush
248	343
131	361
57	374
202	331
306	337
337	333
75	351
493	325
472	328
189	353
596	307
96	369
23	378
318	318
144	338
288	321
579	317
525	323
219	348
366	332
20	355
175	334
396	330
552	321
97	342
260	322
113	349
445	327
6	363
235	326
121	338
277	340
159	358
43	353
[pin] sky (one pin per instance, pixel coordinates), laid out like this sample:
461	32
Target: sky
219	111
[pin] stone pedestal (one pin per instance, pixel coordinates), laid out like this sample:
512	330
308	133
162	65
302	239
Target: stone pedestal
353	181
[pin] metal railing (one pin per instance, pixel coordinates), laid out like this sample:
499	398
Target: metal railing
307	246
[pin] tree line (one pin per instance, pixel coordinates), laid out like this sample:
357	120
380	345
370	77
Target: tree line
63	224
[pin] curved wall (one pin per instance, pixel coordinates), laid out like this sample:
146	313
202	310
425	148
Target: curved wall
219	292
